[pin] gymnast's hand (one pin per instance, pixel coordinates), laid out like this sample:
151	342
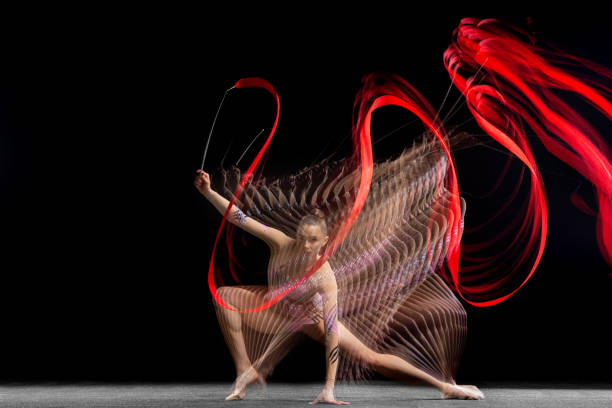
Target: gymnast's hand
202	182
327	396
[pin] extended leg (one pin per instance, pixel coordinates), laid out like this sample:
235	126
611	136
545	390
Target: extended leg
390	365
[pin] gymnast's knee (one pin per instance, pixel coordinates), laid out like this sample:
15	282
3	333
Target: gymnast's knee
369	356
225	292
373	358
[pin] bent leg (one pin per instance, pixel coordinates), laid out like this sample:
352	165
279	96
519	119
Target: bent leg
267	321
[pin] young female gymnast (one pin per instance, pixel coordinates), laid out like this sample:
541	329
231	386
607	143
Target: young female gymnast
313	306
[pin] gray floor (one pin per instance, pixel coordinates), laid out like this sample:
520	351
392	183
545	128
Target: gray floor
298	395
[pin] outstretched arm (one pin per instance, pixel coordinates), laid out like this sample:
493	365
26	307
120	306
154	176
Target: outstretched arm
271	236
329	294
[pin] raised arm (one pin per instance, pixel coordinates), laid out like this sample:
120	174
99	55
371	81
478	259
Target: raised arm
271	236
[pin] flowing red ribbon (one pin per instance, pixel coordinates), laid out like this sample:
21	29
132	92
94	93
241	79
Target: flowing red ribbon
515	87
364	151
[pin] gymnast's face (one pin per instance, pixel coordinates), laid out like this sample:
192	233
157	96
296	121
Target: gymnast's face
310	239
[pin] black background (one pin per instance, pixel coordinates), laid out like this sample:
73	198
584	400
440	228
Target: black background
103	121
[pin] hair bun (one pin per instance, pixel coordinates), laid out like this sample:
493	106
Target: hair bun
318	213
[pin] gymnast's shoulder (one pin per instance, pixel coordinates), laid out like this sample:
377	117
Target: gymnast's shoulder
326	280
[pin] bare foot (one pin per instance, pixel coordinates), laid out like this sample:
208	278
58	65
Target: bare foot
247	377
453	391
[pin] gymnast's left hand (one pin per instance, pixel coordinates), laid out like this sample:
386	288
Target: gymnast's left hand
327	397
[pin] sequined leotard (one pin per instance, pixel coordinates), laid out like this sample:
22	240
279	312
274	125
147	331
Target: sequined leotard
304	304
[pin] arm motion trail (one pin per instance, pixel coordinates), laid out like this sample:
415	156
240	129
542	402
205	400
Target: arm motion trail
273	237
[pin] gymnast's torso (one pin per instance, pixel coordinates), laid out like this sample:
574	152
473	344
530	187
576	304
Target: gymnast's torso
304	302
